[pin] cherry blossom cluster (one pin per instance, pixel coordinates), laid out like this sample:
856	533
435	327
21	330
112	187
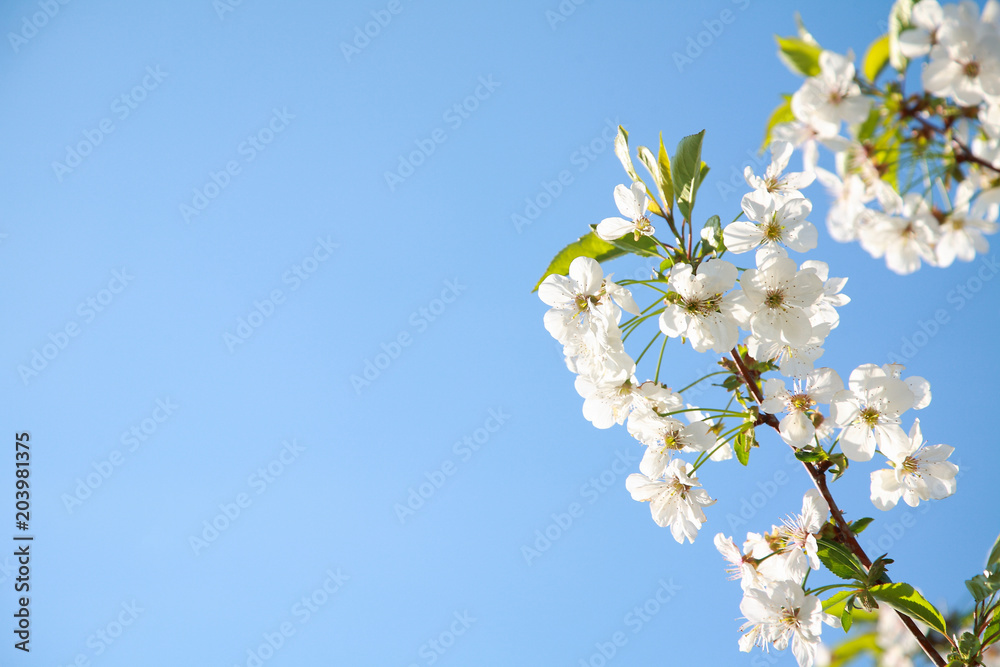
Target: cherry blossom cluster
897	149
771	568
776	315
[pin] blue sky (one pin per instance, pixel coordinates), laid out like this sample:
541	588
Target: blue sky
202	248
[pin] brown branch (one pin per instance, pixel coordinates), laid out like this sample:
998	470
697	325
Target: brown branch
963	152
818	476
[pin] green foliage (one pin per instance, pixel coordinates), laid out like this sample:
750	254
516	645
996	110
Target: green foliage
687	173
904	598
839	560
712	234
621	150
659	169
745	439
798	55
854	648
810	454
986	584
994	557
666	175
859	525
876	58
781	114
589	245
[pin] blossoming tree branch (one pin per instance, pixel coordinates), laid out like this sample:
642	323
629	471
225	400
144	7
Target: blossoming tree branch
915	143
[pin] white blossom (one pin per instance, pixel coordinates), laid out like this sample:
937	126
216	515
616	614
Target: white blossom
869	412
817	387
918	472
703	312
632	203
781	615
676	501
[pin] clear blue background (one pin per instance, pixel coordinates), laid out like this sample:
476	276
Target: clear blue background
367	447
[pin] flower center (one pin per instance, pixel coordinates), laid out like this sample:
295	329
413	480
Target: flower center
774	298
642	228
773	230
801	402
702	307
671	440
869	417
971	69
910	466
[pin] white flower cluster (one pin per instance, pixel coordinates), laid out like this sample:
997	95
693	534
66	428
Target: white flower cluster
771	568
584	316
962	48
787	310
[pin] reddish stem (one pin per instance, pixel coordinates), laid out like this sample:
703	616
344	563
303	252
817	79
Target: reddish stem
818	477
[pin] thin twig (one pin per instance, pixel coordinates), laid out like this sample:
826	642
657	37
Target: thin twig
818	476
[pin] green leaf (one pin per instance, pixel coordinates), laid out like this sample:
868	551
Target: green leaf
904	598
621	150
859	525
876	58
835	603
810	455
986	584
899	19
854	648
867	128
668	183
840	463
968	645
798	55
712	234
589	245
686	171
840	561
653	167
877	571
846	618
994	557
744	441
781	114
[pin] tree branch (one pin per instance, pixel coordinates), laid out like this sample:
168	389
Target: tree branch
818	476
